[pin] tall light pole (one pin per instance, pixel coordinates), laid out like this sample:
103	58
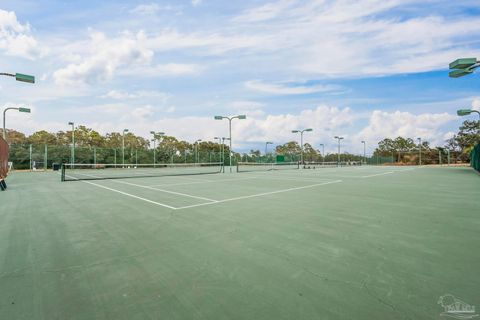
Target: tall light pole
323	153
72	153
219	144
240	117
19	77
364	152
301	140
466	112
420	150
197	159
462	67
21	109
223	151
266	146
338	154
123	146
154	140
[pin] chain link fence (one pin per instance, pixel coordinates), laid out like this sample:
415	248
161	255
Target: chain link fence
42	157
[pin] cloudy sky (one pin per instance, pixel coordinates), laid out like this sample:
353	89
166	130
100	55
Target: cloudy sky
362	69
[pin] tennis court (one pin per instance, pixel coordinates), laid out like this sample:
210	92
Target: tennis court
358	242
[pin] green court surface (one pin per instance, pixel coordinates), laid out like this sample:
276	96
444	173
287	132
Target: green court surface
333	243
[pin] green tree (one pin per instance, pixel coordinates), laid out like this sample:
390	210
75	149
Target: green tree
42	137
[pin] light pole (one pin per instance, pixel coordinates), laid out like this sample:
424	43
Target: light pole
196	151
364	152
420	150
21	109
466	112
154	140
73	143
123	146
240	117
323	153
462	67
266	147
301	140
338	155
219	144
223	152
19	77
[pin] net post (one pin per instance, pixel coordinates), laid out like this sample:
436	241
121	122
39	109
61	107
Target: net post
63	172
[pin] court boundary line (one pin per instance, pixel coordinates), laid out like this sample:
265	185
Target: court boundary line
130	195
259	194
200	182
166	191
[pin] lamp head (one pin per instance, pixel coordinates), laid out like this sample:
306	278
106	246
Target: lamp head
21	109
309	129
125	130
295	131
71	124
464	112
242	117
218	117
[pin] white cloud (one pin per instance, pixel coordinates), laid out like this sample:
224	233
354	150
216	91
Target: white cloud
384	124
123	95
196	2
160	70
476	104
104	57
15	38
265	12
153	8
285	89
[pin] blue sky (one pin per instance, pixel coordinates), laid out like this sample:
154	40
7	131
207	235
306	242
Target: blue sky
362	69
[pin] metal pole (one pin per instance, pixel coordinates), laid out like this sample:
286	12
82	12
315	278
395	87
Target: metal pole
30	157
301	146
4	130
115	157
136	157
364	152
154	147
338	156
266	144
230	151
420	150
45	158
123	148
94	155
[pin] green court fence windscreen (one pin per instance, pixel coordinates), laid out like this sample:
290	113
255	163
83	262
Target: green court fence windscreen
475	157
3	158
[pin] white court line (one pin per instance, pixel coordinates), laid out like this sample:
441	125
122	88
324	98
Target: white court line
291	178
166	191
129	195
378	174
259	194
200	182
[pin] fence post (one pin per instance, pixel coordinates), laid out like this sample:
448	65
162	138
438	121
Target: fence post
30	149
45	159
115	157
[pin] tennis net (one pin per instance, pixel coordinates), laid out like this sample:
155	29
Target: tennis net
258	166
330	164
73	172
